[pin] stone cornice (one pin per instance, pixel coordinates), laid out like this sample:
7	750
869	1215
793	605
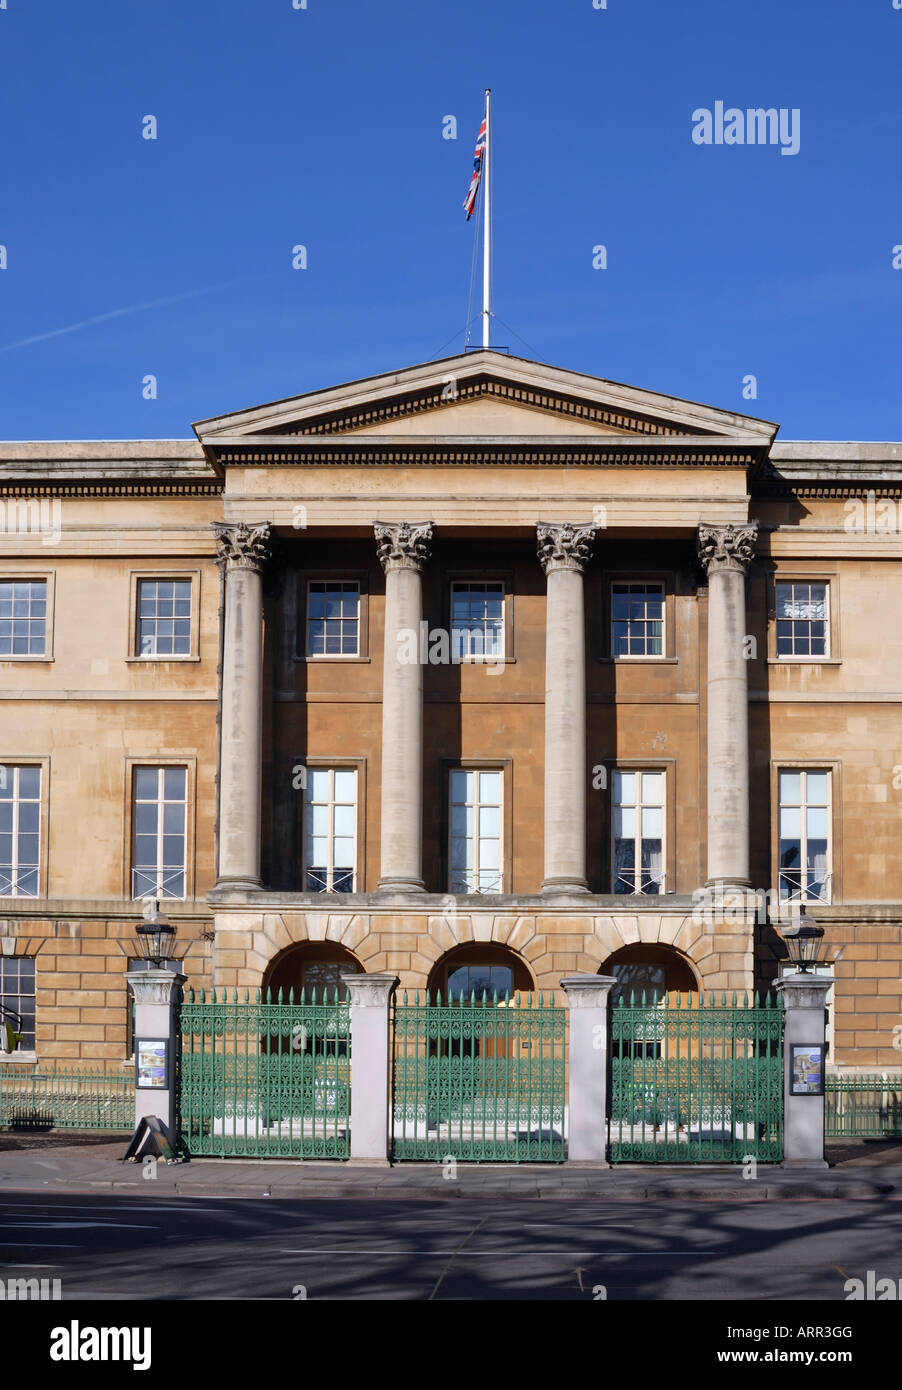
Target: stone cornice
484	452
825	469
117	488
441	394
604	908
786	490
65	914
107	468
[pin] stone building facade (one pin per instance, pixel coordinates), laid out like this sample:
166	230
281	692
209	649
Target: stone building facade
479	671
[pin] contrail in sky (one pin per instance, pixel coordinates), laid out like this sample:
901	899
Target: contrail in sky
118	313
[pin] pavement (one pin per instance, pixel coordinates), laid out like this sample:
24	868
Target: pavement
91	1163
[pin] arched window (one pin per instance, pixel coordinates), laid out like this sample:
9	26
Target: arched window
479	971
656	970
309	973
309	968
474	969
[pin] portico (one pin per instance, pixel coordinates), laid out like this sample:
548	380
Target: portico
437	503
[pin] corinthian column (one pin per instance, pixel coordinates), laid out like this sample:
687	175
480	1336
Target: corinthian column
726	552
564	552
243	552
403	551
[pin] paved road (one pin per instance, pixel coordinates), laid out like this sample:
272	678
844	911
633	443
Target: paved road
232	1248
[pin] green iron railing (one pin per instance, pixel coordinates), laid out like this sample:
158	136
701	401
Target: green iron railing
692	1082
70	1098
479	1080
863	1107
265	1078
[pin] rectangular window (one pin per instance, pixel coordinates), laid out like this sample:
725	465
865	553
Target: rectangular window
23	617
803	616
159	824
637	620
330	830
638	833
164	617
333	617
17	998
804	835
477	619
20	831
475	848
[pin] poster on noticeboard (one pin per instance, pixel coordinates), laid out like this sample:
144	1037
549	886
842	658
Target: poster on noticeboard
152	1063
807	1063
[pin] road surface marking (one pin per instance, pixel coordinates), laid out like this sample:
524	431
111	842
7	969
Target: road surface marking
460	1247
504	1250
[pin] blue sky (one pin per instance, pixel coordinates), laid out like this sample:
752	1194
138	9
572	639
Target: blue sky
323	127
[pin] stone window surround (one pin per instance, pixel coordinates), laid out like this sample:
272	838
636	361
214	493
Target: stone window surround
134	655
339	762
22	1054
188	761
602	635
652	764
296	591
449	577
29	576
445	767
833	766
796	573
41	760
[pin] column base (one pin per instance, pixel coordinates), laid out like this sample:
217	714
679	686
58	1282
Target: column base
565	887
804	1163
367	1163
242	884
401	885
587	1163
727	883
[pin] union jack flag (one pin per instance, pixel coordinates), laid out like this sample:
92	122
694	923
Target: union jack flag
470	200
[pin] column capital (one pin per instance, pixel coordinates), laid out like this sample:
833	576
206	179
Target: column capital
587	991
403	545
563	545
371	991
727	547
804	991
242	546
154	986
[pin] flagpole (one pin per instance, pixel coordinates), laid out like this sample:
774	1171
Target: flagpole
487	222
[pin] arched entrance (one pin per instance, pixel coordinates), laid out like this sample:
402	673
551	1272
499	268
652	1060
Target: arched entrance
479	968
477	972
646	975
311	966
657	971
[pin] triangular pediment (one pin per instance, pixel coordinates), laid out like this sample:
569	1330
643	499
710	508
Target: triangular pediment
484	412
483	395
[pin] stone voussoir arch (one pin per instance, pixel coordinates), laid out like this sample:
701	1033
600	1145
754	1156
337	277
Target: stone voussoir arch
682	932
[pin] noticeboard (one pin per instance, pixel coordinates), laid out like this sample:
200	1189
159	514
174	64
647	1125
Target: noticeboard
152	1064
806	1076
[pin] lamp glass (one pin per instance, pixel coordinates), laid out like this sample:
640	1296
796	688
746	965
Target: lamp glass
156	935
